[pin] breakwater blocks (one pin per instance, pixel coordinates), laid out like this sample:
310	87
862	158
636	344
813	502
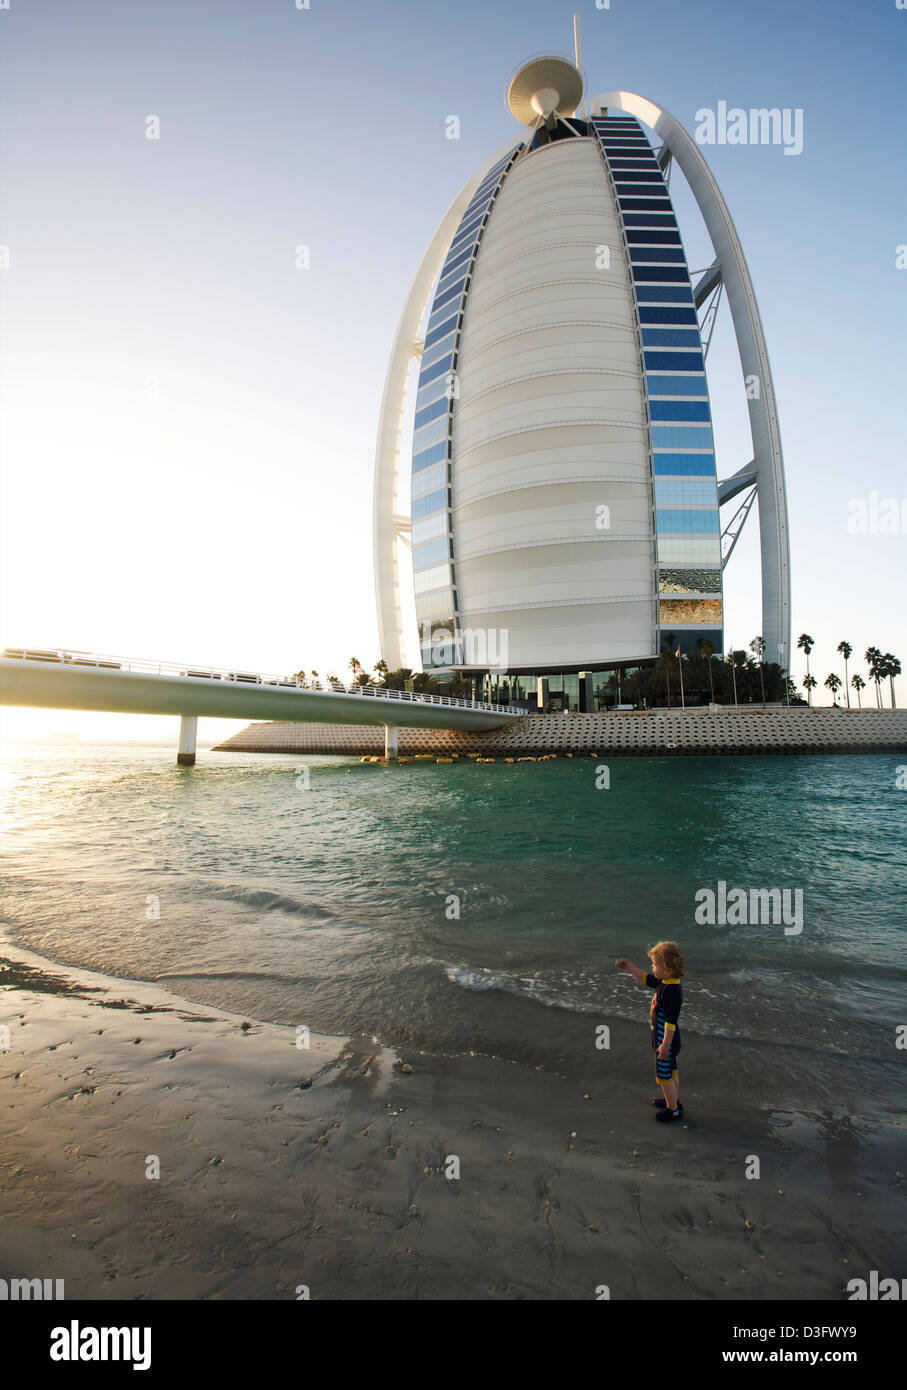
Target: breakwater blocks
655	733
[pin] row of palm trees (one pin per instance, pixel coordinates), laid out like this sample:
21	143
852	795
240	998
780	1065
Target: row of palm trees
734	678
735	675
403	679
360	675
882	666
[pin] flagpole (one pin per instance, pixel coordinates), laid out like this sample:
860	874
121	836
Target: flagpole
683	703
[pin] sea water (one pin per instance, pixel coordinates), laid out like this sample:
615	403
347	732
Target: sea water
466	907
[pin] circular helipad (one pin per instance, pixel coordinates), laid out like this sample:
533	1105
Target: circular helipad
545	85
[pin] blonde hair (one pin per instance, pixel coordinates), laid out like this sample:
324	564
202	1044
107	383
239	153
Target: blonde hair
670	953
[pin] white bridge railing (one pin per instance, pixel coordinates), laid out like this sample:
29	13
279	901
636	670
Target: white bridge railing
210	673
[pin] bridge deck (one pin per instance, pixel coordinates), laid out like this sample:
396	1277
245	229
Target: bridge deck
55	680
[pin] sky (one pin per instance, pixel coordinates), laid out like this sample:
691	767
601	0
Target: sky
188	418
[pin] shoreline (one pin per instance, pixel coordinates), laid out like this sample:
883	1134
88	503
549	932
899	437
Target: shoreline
696	732
325	1167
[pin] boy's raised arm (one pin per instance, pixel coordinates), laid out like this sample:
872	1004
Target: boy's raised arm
623	964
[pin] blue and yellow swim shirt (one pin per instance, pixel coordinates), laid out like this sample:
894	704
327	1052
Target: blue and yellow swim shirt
663	1015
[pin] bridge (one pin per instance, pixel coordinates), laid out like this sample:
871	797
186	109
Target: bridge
58	679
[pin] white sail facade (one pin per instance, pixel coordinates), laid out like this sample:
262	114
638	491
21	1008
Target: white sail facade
564	502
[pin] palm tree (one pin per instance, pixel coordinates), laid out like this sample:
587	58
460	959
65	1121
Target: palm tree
380	667
757	647
807	643
612	685
834	684
892	668
396	680
354	664
846	651
858	684
809	685
708	651
664	662
873	657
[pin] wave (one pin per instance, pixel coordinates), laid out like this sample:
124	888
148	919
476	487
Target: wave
266	900
479	979
293	981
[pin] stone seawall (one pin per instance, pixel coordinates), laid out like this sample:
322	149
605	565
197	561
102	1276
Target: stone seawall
655	733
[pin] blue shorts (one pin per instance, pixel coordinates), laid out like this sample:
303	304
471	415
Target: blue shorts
666	1071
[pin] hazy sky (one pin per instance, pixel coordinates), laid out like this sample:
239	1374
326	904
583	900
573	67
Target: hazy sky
188	419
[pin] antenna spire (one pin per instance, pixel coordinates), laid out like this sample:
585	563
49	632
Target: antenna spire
578	51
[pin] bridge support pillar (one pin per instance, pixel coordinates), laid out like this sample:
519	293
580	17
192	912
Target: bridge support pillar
390	741
188	730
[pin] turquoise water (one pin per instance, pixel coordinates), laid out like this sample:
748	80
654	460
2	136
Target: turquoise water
335	904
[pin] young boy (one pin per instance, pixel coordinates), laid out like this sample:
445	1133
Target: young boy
664	978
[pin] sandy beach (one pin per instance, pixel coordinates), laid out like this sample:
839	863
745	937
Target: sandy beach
283	1167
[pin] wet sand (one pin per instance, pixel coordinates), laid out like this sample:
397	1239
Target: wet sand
325	1167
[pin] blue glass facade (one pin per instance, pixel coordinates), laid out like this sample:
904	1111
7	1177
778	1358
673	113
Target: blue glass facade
433	559
688	531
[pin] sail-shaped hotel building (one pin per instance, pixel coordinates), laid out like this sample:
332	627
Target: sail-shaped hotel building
559	494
